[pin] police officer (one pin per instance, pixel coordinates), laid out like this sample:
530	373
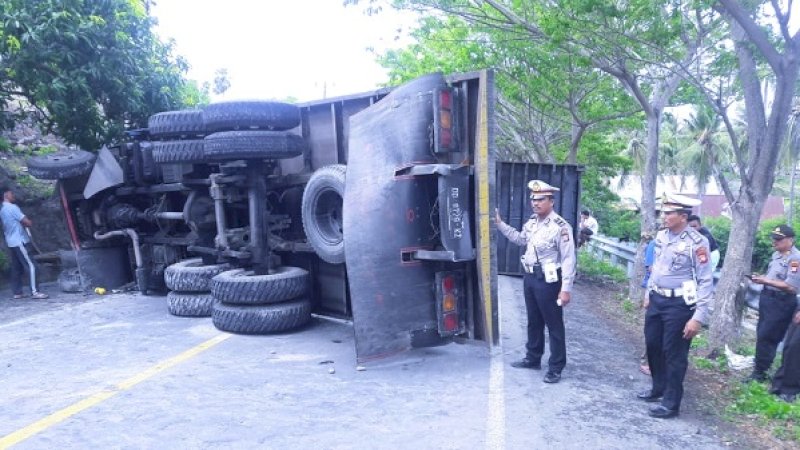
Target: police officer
549	263
777	303
678	293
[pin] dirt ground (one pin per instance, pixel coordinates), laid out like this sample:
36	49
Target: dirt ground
708	391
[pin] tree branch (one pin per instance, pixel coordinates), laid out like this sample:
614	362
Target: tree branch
757	36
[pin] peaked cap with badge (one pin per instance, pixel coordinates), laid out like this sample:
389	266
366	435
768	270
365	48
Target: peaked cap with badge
540	189
782	231
677	202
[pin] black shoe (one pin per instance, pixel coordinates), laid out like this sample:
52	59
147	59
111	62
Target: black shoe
660	412
526	363
760	377
552	377
649	396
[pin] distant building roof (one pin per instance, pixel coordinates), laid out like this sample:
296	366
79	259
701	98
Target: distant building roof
717	205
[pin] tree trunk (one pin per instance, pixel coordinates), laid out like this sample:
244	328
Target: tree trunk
790	215
578	129
728	297
648	203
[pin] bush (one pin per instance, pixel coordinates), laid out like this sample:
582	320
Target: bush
624	225
592	267
720	228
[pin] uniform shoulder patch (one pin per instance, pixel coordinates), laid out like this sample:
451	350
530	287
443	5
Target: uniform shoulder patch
702	254
794	266
565	235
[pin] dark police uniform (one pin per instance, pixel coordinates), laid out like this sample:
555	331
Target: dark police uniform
549	246
775	309
679	258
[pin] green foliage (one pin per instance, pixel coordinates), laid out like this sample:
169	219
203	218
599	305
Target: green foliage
622	224
591	267
90	68
5	146
4	262
754	399
720	228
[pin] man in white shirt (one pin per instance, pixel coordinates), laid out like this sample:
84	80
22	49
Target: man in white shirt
14	230
587	227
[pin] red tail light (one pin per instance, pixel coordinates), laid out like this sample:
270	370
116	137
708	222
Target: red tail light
445	121
450	303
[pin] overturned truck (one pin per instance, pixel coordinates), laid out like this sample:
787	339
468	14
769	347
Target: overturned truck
373	208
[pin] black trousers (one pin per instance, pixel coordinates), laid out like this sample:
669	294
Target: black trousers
21	264
775	311
540	302
667	350
787	378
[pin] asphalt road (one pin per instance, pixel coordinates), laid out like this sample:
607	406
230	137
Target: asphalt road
118	371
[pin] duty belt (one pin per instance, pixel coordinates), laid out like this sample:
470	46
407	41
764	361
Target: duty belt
668	292
530	268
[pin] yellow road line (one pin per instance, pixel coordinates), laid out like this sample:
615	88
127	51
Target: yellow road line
65	413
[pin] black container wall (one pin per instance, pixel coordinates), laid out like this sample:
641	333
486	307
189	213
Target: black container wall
514	204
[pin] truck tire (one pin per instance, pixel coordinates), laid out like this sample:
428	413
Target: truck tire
171	152
242	287
61	165
230	145
262	319
190	304
173	124
254	114
321	208
191	275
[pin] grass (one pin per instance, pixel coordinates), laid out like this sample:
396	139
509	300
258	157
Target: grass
600	270
754	400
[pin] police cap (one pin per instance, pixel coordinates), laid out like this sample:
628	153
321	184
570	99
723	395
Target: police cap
540	189
677	202
782	231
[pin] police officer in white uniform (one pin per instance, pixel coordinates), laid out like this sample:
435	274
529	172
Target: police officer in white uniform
549	263
678	293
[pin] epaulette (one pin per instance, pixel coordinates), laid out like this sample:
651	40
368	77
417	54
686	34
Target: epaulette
561	222
694	235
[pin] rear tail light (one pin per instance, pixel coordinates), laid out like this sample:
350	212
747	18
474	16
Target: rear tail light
445	121
450	303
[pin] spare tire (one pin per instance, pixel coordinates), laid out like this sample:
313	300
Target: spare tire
230	145
243	287
172	124
262	319
322	212
252	114
61	165
190	304
191	275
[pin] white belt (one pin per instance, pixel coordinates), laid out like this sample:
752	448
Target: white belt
668	292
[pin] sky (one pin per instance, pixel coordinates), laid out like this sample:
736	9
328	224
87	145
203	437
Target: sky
280	49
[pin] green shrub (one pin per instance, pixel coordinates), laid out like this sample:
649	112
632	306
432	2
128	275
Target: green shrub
720	228
624	225
592	267
5	146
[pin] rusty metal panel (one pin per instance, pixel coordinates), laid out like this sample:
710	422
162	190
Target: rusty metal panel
515	208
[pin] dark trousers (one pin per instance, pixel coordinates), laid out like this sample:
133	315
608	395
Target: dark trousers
667	350
775	311
21	263
540	302
787	378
